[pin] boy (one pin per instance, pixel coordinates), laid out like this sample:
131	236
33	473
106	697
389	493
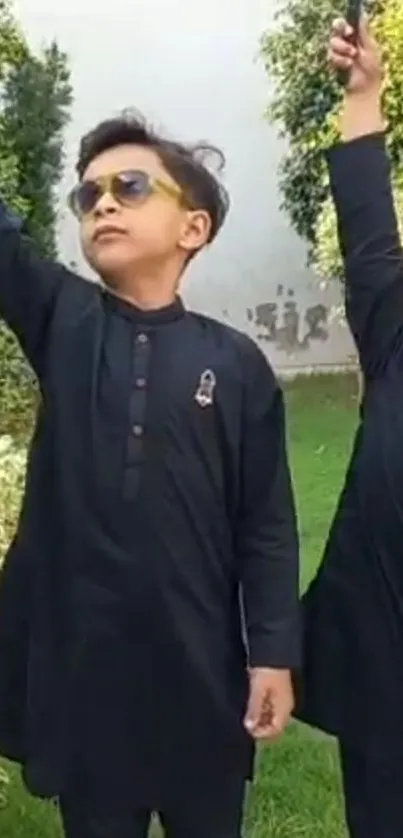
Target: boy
158	513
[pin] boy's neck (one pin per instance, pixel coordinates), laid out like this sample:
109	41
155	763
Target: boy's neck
147	301
149	293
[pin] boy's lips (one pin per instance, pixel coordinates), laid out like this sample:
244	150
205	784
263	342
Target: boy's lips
108	230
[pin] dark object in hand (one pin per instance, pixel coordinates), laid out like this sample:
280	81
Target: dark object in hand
353	17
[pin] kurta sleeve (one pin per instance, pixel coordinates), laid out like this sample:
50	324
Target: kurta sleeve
267	540
29	288
371	248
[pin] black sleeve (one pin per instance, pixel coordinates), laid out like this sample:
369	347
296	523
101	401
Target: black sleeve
29	288
267	539
371	248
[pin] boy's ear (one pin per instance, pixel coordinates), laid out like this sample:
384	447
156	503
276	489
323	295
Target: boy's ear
196	231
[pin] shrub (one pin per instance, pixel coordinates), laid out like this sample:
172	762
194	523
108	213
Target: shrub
13	460
305	104
388	27
36	99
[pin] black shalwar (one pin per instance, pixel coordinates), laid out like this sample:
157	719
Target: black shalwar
158	510
353	656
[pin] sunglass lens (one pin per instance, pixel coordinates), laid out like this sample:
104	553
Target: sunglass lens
84	198
131	186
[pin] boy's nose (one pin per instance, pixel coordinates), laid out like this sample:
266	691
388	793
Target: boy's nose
106	205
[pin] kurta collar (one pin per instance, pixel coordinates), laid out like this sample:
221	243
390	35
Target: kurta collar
159	316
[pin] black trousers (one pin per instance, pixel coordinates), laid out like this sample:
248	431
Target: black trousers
222	820
373	792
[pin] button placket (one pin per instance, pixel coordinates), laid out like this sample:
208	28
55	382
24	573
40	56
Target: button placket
137	413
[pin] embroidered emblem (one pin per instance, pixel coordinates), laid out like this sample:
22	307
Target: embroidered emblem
205	391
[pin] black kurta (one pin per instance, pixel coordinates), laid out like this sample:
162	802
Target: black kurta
353	669
148	508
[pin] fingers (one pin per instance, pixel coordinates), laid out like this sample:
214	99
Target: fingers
268	729
269	726
343	31
261	720
266	733
270	702
341	54
255	707
342	51
356	59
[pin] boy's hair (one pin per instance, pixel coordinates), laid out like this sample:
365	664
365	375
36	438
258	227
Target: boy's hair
185	163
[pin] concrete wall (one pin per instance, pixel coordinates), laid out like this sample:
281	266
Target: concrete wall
193	69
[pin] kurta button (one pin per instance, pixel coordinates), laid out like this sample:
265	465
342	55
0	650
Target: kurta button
140	383
137	430
142	338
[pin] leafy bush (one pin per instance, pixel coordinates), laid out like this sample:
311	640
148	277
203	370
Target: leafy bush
305	104
37	98
35	104
13	47
388	27
18	392
13	460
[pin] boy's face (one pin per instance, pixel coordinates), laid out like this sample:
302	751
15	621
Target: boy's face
133	216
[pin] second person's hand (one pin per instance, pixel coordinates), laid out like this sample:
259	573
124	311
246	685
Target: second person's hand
361	58
362	112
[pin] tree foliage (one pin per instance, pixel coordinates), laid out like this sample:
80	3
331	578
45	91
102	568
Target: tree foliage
12	52
13	47
305	102
34	110
37	100
327	259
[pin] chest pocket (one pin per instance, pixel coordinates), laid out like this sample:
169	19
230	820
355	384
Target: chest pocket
193	404
200	410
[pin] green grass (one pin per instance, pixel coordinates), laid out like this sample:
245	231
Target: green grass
297	792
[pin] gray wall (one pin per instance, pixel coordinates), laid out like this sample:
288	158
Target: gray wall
193	69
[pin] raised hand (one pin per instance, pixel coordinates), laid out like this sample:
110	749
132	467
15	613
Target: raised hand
359	58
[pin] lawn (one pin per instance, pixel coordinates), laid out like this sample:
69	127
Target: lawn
297	792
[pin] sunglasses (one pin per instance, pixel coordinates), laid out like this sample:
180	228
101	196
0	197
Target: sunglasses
127	188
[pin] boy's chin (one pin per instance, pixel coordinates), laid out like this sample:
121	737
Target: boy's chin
114	273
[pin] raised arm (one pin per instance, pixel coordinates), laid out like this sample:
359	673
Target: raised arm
29	288
362	192
267	545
